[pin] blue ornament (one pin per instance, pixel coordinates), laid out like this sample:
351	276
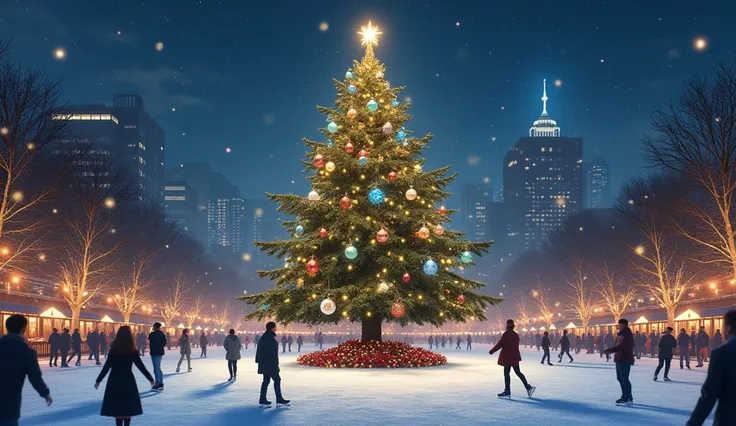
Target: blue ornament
430	267
395	103
466	257
362	161
376	196
372	105
299	230
351	252
265	306
330	143
332	127
352	89
400	135
348	75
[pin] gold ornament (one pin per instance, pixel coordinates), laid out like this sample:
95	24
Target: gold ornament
423	232
411	194
330	166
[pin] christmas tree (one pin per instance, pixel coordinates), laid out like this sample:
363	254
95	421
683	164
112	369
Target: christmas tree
369	241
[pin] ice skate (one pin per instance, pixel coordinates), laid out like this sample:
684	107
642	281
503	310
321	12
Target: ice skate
264	403
505	395
667	379
283	402
530	391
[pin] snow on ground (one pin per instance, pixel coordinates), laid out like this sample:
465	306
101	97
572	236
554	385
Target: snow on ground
461	393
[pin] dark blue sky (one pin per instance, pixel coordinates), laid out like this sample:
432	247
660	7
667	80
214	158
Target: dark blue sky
248	74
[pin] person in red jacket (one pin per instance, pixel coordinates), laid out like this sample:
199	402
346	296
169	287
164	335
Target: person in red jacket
623	356
509	358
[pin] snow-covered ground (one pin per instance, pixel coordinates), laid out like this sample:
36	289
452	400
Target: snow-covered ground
461	393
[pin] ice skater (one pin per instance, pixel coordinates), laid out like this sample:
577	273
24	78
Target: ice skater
157	340
667	344
564	346
203	344
538	340
623	357
54	340
509	358
267	358
702	342
185	350
122	399
232	347
608	342
469	341
76	347
457	346
103	343
545	343
683	343
299	343
430	341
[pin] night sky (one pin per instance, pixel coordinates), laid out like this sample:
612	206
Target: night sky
248	74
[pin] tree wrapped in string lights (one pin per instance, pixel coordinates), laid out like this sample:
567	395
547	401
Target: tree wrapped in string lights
370	243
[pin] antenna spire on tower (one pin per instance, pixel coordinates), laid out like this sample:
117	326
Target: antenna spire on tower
544	98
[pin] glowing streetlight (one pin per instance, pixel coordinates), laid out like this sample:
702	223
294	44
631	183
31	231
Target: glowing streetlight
110	203
639	250
700	43
15	279
5	251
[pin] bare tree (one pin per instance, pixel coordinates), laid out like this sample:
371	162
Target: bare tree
523	309
134	293
174	304
544	305
616	297
222	318
580	292
695	138
194	310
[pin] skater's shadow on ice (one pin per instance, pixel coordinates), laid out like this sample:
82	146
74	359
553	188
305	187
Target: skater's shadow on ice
256	416
147	394
220	387
592	367
662	409
583	408
71	413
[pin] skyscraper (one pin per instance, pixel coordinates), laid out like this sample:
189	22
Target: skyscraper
182	207
476	197
543	182
597	184
261	223
225	217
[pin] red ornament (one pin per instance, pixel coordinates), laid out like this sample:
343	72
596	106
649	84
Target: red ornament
461	299
392	176
345	202
318	161
382	235
447	291
312	267
442	210
406	277
364	153
349	148
323	233
398	310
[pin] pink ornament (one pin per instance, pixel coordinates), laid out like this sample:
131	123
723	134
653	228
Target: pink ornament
461	299
323	233
392	176
318	161
349	148
382	235
439	230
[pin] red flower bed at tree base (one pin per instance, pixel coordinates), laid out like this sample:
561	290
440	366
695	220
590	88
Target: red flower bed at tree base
357	354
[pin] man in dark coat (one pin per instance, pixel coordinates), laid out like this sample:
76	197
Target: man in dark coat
720	384
683	343
545	343
157	338
623	351
667	345
203	342
509	358
54	341
564	346
93	344
693	344
267	358
17	360
637	345
538	340
299	343
65	343
76	347
703	343
283	343
717	340
653	342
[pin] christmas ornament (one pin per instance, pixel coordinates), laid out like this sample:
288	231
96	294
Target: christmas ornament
411	194
323	233
348	75
418	168
423	232
461	299
398	310
330	166
332	127
352	89
352	113
299	282
299	230
351	252
395	103
383	287
328	306
362	161
346	202
372	105
406	277
447	291
442	210
312	267
379	75
392	176
382	235
376	196
439	230
318	161
400	136
265	306
387	128
364	153
349	148
313	195
466	257
430	267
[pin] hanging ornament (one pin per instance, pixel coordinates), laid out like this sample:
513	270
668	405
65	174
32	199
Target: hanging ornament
299	282
379	75
382	235
299	230
364	153
372	105
461	299
348	75
318	161
362	161
351	252
330	166
447	291
313	195
346	202
332	127
352	89
323	233
328	306
400	136
349	148
406	277
398	310
466	257
265	306
312	267
442	210
411	194
439	230
423	232
383	287
392	176
387	128
395	103
418	168
430	267
375	196
352	113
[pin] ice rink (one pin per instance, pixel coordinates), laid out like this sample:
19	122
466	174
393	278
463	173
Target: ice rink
461	393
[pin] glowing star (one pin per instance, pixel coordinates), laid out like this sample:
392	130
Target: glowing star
700	43
228	150
159	46
457	24
110	202
558	82
60	53
369	35
324	26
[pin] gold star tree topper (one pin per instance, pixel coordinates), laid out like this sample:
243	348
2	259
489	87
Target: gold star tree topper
369	35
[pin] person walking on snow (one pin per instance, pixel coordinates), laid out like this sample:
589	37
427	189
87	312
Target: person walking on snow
283	344
538	340
623	357
267	358
565	346
608	343
54	340
703	342
457	345
157	340
299	343
683	342
76	347
232	347
509	359
469	341
203	344
65	343
667	345
289	341
185	350
545	346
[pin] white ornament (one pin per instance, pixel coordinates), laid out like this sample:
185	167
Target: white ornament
330	166
379	75
411	194
328	307
418	168
383	287
388	128
313	195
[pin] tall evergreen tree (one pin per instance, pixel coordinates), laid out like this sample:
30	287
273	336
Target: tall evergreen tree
369	242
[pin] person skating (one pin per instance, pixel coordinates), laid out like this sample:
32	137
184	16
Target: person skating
599	345
185	350
565	346
17	360
76	347
103	343
168	340
720	383
457	345
144	343
608	343
93	343
591	346
545	343
578	344
469	341
717	340
283	344
320	340
653	343
637	345
702	342
157	341
538	340
299	343
683	342
65	344
693	345
122	399
289	341
54	340
509	359
430	341
267	358
232	347
203	344
623	357
667	344
443	340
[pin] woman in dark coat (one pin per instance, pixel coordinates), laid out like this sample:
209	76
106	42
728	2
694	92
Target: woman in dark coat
122	399
509	358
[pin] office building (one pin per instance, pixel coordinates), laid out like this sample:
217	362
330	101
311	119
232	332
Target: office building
475	200
182	207
225	223
597	184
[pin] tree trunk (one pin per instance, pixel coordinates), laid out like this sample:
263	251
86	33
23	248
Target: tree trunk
671	315
371	329
75	317
126	319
